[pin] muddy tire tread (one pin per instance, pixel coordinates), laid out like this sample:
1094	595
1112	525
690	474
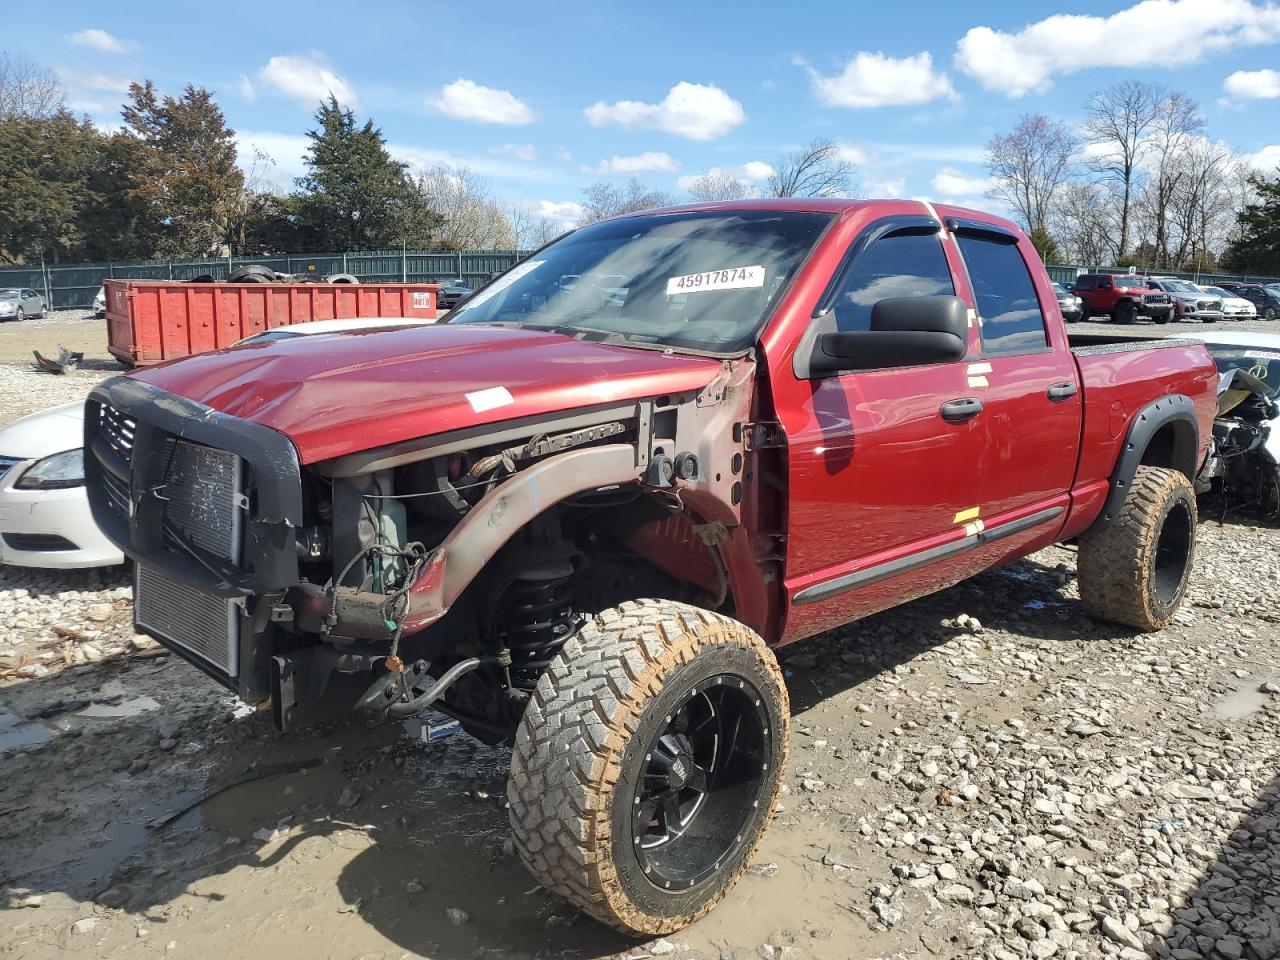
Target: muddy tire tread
1115	561
570	742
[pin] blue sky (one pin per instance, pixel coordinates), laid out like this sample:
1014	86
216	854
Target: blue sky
541	98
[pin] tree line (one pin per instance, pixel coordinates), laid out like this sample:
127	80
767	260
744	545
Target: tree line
1138	184
166	184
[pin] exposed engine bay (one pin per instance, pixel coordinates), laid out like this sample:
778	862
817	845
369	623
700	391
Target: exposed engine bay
444	572
1243	467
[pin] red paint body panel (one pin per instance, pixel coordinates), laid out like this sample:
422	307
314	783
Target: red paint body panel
334	394
152	321
864	471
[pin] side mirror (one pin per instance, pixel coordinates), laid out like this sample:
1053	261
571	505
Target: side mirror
905	332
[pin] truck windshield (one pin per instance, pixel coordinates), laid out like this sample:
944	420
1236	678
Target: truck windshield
1129	281
701	281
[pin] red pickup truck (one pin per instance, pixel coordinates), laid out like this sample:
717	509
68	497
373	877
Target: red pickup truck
578	512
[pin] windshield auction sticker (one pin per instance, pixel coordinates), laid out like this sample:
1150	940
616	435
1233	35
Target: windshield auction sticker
732	278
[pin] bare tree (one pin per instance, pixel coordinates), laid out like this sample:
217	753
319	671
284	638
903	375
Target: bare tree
1029	166
1119	121
472	220
1202	210
1081	223
27	90
1178	122
602	199
817	170
714	186
531	230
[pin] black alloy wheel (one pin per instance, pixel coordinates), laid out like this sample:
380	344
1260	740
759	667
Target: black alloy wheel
704	778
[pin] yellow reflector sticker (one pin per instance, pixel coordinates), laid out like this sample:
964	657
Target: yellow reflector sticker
964	516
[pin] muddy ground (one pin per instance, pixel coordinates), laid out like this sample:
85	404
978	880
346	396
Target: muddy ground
982	773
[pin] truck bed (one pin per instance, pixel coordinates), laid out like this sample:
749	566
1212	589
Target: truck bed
1120	376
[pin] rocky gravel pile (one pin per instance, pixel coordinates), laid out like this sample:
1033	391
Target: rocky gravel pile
24	391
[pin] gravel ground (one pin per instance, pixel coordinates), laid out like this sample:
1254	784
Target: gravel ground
981	773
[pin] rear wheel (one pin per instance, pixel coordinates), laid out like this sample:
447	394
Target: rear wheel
1134	570
648	763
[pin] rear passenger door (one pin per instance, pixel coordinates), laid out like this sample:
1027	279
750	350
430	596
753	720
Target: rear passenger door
1026	379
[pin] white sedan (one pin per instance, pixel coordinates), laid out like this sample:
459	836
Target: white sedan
1233	307
44	512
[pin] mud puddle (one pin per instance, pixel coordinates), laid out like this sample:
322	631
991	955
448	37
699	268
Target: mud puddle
1247	699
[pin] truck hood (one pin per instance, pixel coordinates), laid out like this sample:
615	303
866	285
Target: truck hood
335	394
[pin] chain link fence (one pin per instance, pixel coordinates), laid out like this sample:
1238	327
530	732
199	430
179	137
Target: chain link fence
74	285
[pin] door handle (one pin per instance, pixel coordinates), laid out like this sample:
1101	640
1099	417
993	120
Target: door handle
1062	391
958	411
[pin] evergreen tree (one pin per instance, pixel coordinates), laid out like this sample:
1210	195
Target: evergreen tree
184	181
355	196
1257	251
45	167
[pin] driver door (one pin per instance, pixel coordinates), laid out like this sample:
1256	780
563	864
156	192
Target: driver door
883	481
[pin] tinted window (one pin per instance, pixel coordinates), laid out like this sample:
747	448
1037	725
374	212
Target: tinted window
1084	283
1011	319
901	265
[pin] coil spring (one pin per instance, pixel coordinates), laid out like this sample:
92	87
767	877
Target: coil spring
541	620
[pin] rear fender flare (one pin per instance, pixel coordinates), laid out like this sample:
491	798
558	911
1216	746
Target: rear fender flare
1176	411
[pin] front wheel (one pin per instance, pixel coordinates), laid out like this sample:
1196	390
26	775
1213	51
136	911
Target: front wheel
19	315
648	763
1269	313
1124	313
1134	569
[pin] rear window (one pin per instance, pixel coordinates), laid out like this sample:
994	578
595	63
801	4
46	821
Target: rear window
1006	297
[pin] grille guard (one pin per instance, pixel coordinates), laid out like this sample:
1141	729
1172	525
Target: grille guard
270	562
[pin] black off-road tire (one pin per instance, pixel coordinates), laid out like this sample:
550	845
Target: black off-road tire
1134	570
1125	312
580	753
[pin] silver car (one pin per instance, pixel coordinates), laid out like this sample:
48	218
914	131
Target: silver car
18	303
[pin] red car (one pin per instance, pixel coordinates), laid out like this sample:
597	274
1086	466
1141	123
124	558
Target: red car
1124	297
577	515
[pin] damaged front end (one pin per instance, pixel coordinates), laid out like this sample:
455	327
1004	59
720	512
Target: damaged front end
1243	467
445	570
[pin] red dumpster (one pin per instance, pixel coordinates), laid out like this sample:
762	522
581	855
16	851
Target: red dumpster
152	320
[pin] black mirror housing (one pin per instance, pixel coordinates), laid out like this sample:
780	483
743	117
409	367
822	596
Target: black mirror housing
905	332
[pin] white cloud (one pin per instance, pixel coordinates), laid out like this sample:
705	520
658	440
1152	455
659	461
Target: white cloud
1152	33
521	151
565	213
648	162
952	183
877	80
245	88
467	100
286	151
97	39
691	110
1266	160
1253	85
852	153
888	187
308	80
750	173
